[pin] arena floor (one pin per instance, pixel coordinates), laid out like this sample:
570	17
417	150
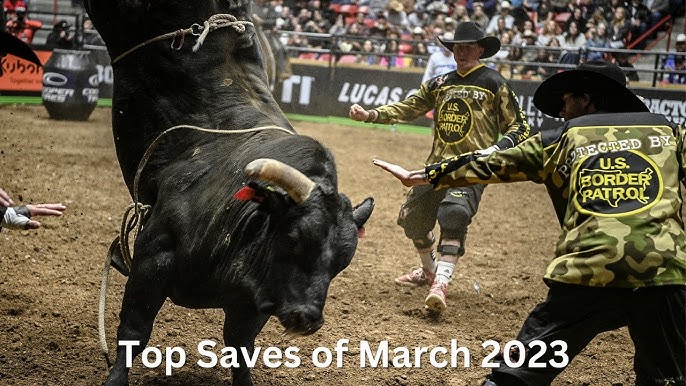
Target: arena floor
50	278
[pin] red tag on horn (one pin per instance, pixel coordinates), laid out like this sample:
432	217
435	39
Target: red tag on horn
245	193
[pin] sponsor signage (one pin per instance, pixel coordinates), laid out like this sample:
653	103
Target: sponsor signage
323	91
22	76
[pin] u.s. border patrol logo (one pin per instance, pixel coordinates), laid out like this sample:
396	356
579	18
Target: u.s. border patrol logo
616	184
454	121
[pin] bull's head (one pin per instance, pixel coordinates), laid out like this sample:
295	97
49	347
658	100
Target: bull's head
312	243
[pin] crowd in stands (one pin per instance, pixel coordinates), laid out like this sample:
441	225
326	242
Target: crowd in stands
403	32
16	20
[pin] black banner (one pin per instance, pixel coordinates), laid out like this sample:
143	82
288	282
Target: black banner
323	91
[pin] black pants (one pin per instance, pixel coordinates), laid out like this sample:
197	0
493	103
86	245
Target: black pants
424	206
655	317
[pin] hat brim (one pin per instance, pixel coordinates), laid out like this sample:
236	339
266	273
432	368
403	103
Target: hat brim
548	96
491	45
12	45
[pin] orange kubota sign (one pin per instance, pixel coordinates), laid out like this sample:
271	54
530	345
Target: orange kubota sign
22	75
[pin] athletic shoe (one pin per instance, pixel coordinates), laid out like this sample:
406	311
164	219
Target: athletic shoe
416	278
436	300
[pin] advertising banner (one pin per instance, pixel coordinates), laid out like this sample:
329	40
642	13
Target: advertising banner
22	76
320	91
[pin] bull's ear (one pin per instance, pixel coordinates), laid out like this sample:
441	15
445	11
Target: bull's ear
362	212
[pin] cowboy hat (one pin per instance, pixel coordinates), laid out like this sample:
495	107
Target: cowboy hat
469	32
9	44
596	76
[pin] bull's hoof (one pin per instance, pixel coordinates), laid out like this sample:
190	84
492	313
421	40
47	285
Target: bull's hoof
117	260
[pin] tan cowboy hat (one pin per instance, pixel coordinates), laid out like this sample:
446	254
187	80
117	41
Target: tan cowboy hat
469	32
396	5
596	76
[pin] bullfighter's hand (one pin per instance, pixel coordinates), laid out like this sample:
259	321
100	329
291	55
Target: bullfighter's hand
358	113
408	178
19	217
54	210
5	199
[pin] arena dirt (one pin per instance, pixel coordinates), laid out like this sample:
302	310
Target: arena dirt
50	278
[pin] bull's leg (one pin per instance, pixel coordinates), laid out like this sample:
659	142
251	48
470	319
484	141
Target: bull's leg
143	298
241	326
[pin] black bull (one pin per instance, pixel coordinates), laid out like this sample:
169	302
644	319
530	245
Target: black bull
270	250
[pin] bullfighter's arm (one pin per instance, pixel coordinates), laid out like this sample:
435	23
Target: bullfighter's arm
513	124
523	162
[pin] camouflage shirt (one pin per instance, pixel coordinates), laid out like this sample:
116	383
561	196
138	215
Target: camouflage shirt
614	180
472	111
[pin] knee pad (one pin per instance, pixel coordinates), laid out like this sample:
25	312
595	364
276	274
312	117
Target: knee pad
423	242
453	219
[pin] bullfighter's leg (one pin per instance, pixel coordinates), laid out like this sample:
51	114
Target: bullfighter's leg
241	326
144	295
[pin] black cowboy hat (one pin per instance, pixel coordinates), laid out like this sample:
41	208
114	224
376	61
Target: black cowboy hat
590	77
9	44
470	32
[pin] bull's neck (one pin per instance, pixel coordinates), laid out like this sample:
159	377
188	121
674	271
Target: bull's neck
150	98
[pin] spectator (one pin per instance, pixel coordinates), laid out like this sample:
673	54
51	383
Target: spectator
479	16
544	13
504	52
21	27
440	62
488	6
367	54
671	62
596	18
538	65
339	27
578	17
460	14
90	35
596	37
60	36
9	8
418	18
527	29
677	77
549	32
395	13
493	26
500	28
571	40
421	53
529	50
658	9
639	19
622	60
620	28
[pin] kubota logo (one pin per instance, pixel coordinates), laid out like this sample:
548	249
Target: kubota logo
54	79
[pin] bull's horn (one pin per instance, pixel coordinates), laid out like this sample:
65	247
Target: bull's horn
296	184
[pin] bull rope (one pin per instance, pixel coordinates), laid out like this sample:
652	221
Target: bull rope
136	222
214	22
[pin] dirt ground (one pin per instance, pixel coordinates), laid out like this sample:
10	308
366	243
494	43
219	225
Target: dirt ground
50	278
